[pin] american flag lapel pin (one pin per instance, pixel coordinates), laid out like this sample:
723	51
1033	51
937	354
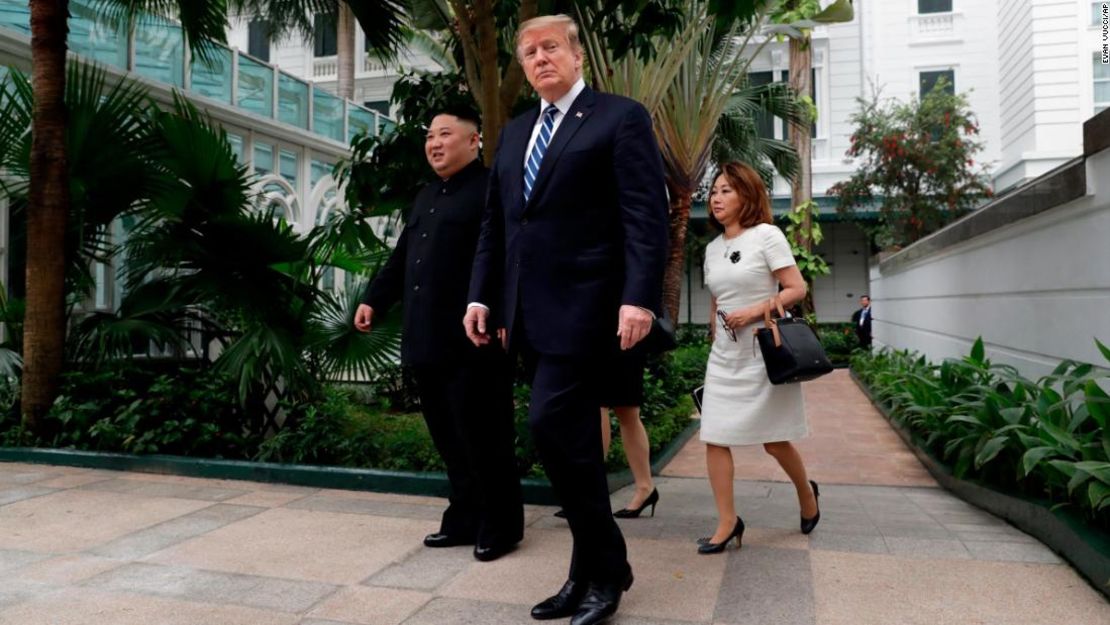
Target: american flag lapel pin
578	114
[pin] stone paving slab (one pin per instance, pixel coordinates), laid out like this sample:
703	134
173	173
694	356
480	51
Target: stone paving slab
849	443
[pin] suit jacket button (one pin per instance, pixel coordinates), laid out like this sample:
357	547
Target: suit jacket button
432	212
524	222
423	235
419	260
416	288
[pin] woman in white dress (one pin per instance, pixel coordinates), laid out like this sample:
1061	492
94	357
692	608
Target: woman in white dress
744	267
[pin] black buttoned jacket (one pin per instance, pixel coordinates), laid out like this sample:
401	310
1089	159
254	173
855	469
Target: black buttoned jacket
429	270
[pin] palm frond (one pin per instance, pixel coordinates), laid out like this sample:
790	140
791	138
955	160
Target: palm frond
343	351
202	22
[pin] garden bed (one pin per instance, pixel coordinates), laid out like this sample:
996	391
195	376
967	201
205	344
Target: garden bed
1069	530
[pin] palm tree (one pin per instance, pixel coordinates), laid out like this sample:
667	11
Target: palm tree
49	193
709	84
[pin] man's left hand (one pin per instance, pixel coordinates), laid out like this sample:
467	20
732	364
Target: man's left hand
633	324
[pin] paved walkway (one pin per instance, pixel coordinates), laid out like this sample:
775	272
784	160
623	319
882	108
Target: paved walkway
99	547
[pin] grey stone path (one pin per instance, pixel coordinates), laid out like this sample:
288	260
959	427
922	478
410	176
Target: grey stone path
90	547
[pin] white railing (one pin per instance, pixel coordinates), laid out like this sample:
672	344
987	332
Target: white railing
935	27
325	67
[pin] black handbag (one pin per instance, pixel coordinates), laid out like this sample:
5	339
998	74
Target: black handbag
791	350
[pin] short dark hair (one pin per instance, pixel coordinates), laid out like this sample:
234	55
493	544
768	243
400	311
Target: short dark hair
865	295
463	113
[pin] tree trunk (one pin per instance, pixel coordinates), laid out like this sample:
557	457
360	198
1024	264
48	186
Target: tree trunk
48	203
801	188
681	200
494	92
345	55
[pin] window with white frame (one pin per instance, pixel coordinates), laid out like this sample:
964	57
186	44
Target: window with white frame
928	80
934	6
1101	75
324	34
258	39
773	127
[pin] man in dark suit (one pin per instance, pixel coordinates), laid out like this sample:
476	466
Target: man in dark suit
570	262
861	319
465	391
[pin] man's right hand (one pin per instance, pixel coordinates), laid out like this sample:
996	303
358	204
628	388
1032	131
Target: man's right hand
363	316
475	324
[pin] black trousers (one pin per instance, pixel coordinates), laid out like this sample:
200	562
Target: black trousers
468	407
563	416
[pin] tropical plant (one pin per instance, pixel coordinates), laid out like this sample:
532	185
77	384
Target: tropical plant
205	275
1048	438
918	160
49	194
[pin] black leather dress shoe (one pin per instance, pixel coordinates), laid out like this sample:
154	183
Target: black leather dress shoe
492	552
445	540
561	605
601	602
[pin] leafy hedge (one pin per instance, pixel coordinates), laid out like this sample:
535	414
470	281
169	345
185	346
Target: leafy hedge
1046	438
194	412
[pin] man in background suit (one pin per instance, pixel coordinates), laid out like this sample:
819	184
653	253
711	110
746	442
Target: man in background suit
861	319
465	391
570	262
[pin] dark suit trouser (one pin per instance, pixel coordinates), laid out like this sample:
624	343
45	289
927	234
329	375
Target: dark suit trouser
563	416
469	412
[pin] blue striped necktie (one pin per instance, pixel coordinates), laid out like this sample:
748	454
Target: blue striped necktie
532	168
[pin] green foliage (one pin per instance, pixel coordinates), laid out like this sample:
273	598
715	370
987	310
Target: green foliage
203	263
919	158
810	263
184	411
839	341
1046	438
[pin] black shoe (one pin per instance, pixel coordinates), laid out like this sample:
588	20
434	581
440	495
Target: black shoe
561	605
628	513
445	540
809	524
562	514
601	602
492	552
737	533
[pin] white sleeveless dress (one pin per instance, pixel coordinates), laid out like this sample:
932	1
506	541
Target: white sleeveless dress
740	405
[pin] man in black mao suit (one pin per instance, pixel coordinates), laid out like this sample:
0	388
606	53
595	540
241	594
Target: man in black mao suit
465	391
570	262
861	319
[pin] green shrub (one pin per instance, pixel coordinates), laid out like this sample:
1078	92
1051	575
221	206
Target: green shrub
138	410
1047	438
839	341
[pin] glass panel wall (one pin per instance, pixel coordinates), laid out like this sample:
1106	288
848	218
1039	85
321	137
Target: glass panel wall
292	101
327	114
256	87
160	51
212	78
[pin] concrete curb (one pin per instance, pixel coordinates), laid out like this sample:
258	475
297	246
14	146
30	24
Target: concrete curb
536	491
1062	530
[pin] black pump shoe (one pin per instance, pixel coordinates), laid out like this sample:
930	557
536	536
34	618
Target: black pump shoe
809	524
737	533
633	513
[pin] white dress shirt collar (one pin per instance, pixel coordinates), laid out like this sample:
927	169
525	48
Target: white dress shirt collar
563	103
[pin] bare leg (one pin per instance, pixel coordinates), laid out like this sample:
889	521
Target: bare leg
636	450
606	432
791	462
718	462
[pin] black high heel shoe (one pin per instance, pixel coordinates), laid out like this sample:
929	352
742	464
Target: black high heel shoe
737	533
633	513
809	524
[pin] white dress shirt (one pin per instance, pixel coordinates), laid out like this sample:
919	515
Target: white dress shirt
563	104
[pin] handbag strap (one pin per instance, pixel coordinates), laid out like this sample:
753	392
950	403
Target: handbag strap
772	324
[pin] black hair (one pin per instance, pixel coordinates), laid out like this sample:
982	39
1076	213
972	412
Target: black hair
463	113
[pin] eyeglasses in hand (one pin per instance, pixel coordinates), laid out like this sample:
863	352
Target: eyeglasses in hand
723	316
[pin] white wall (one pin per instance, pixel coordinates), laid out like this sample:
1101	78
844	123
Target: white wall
1037	291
